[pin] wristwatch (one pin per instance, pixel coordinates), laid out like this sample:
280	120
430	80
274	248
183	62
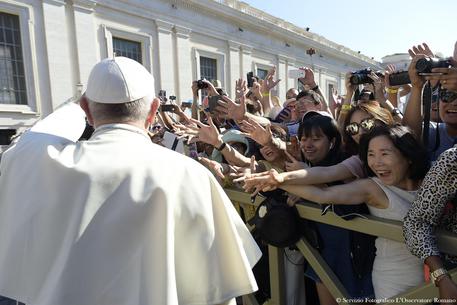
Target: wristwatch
436	275
396	111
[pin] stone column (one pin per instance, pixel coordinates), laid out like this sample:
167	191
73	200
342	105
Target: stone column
289	82
166	63
281	73
342	84
58	52
246	60
86	38
321	83
234	66
184	63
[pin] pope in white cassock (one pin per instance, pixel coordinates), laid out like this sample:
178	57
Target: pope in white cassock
115	220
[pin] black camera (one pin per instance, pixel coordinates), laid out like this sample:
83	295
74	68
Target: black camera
399	78
163	95
167	107
201	84
425	65
361	77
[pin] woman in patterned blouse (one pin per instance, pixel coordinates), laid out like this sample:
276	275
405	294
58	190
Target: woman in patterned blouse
435	207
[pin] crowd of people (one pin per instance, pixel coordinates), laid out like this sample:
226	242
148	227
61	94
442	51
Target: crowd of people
114	218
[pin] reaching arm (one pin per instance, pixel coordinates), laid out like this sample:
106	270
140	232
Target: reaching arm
359	191
426	213
317	175
413	111
428	207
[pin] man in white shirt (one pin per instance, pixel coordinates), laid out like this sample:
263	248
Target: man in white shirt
115	220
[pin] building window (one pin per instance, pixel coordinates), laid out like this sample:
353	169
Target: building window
12	77
208	68
262	73
127	48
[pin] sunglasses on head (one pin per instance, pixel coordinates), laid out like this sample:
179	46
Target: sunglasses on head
354	128
447	96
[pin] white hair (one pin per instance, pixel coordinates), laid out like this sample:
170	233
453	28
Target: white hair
124	112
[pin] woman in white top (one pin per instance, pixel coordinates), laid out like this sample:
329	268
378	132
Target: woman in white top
395	160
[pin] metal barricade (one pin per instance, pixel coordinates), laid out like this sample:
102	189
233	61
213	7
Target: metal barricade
423	294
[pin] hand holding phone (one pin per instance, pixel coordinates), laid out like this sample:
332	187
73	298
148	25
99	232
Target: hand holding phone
167	107
212	102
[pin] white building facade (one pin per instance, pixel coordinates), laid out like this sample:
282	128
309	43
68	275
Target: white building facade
47	48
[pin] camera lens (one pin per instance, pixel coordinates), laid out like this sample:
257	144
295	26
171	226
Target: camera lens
423	65
360	78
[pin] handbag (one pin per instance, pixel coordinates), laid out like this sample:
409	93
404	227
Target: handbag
276	223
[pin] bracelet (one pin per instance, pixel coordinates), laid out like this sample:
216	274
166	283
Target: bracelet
346	107
439	278
315	88
266	94
220	148
391	91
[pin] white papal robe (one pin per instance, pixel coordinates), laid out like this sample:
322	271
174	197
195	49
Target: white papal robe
115	220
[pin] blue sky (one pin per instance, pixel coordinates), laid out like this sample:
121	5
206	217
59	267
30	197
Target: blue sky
376	28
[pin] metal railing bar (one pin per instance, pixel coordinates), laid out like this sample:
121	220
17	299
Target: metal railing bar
326	275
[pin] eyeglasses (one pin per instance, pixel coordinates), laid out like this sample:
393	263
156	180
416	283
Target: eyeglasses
354	128
447	96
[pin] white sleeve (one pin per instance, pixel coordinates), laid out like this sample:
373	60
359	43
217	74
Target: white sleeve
67	122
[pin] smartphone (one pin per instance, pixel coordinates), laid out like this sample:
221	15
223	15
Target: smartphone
297	73
167	107
186	104
212	102
250	79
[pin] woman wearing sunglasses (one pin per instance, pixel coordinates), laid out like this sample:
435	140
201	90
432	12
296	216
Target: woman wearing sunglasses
395	161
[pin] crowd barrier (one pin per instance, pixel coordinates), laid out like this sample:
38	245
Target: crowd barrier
423	294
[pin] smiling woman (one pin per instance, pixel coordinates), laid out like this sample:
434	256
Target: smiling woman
388	154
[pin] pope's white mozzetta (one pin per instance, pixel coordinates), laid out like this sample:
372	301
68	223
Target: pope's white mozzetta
115	220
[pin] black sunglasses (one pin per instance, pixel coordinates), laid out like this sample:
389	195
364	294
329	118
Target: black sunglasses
447	96
354	128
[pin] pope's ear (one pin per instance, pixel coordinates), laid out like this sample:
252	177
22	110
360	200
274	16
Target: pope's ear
84	104
153	110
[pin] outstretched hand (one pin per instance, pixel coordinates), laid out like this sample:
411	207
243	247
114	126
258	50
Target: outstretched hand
206	133
240	88
391	69
231	110
416	80
293	164
421	49
265	181
308	80
213	166
269	83
257	132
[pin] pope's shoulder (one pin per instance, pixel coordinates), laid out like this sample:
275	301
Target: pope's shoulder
175	161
